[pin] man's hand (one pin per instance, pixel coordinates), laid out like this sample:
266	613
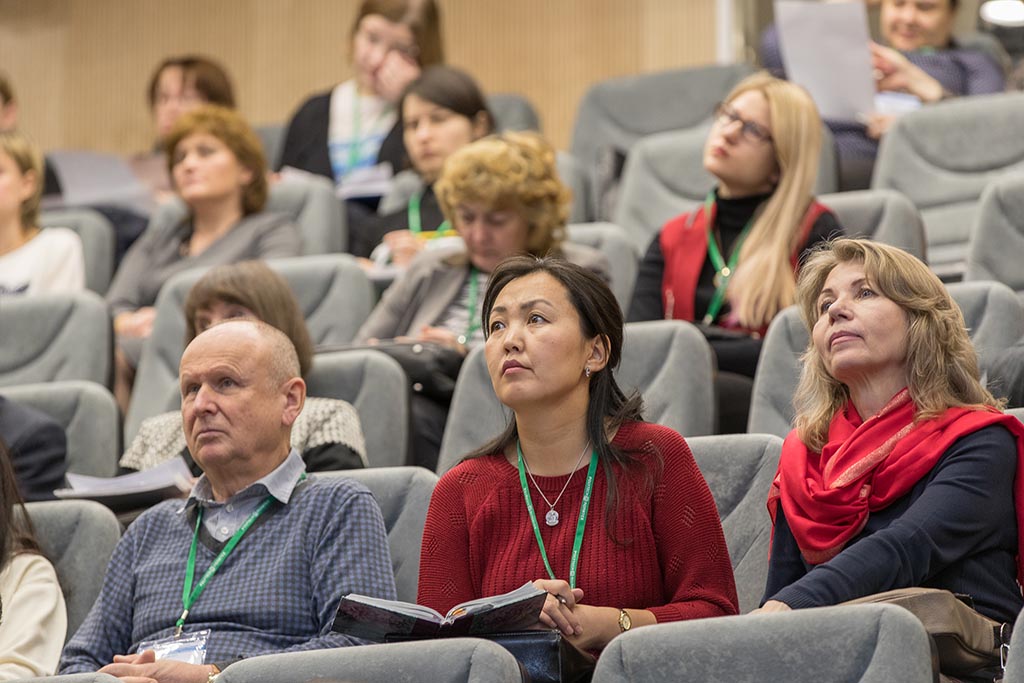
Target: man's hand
897	73
145	668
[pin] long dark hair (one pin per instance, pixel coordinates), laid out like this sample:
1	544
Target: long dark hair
608	406
16	532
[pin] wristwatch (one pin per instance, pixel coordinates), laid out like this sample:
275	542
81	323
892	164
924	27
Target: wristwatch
625	623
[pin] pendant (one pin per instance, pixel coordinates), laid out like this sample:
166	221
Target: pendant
551	519
720	276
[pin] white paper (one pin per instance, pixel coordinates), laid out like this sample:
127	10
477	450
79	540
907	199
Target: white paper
172	473
825	48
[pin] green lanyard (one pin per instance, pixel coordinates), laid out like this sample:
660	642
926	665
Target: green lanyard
189	595
581	523
474	295
723	271
415	224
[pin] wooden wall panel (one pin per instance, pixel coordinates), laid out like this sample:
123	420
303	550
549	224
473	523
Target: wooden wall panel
81	67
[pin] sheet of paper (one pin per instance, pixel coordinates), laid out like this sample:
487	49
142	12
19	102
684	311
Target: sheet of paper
89	178
825	49
172	473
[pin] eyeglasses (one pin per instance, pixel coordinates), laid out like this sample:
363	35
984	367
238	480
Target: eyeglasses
750	131
376	40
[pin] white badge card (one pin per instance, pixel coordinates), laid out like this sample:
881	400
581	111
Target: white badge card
188	647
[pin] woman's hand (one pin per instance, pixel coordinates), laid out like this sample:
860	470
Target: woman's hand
137	323
773	606
560	606
397	71
897	73
404	245
879	124
443	337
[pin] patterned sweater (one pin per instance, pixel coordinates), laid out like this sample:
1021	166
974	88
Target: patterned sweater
278	591
478	540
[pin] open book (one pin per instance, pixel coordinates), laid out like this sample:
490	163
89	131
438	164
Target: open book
374	619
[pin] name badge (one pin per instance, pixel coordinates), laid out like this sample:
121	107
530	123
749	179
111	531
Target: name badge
188	647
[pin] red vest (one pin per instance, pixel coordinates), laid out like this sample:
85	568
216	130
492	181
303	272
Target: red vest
684	246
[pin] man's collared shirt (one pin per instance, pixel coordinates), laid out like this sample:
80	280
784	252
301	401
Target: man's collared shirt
222	520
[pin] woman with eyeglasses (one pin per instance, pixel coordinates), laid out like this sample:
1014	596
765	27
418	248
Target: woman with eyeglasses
347	133
731	264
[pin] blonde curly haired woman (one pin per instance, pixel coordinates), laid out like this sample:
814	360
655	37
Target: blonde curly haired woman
732	263
504	197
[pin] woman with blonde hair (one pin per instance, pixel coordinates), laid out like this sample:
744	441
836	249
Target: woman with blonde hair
732	263
902	471
33	260
503	196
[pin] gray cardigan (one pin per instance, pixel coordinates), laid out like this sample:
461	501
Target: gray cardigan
433	281
156	256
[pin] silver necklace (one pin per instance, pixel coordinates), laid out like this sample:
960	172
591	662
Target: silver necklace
551	518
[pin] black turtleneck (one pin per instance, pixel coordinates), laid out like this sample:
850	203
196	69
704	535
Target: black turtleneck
731	217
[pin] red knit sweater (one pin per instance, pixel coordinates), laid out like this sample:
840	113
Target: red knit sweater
478	540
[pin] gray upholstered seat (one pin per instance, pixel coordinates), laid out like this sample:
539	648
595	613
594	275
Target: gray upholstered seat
307	199
852	644
616	113
942	157
377	386
668	361
49	337
448	660
89	416
739	469
576	179
664	176
78	536
885	216
333	293
778	371
403	494
993	313
98	242
512	112
996	243
610	240
272	138
1017	413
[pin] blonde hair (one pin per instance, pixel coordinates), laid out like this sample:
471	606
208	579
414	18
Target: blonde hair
942	365
231	128
511	171
764	282
28	159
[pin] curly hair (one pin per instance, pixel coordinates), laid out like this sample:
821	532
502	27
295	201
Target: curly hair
511	171
942	365
254	285
228	126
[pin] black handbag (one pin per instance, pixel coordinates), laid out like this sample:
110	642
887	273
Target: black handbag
431	368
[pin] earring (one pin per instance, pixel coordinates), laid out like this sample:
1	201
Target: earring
586	371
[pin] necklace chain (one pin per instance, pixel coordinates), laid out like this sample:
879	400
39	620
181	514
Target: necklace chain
551	506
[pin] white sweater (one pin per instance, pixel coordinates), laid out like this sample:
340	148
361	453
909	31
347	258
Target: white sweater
34	620
51	261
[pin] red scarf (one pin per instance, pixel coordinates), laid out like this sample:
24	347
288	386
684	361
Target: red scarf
867	466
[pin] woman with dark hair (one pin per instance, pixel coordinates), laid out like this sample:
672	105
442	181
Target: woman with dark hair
327	433
35	618
442	111
651	548
343	133
178	85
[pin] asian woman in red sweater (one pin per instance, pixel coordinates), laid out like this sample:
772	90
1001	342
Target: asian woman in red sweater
651	548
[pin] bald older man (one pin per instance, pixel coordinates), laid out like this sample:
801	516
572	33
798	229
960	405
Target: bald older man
259	556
